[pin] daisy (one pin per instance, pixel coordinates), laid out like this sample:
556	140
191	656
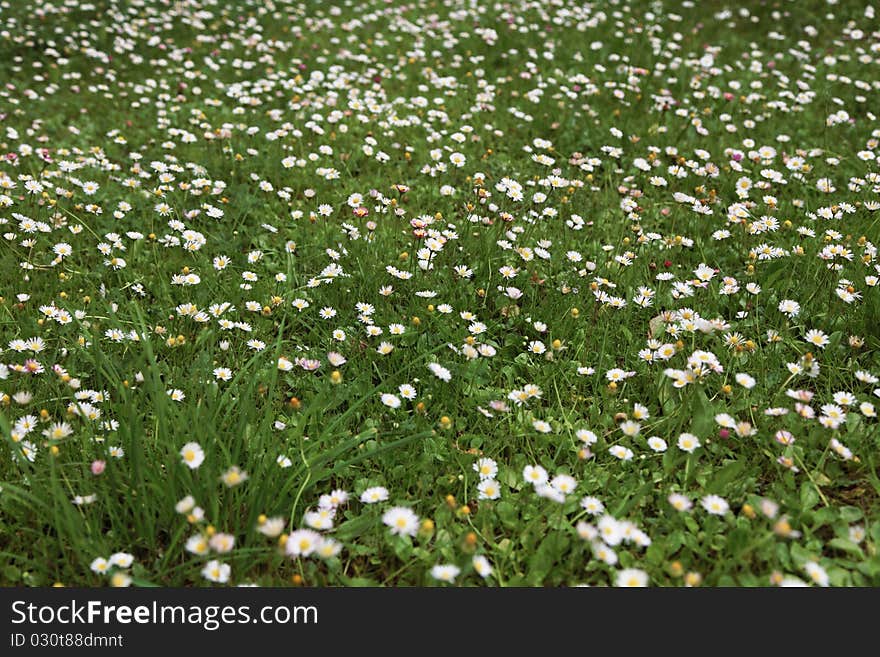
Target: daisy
374	495
223	373
334	499
816	573
234	476
541	426
482	566
715	505
565	484
592	505
621	452
401	520
321	519
193	455
302	542
535	475
857	534
185	505
610	530
58	431
680	502
816	338
586	436
440	372
631	577
176	395
217	572
630	428
100	565
391	401
688	442
768	507
222	543
488	489
445	573
604	553
486	468
272	527
328	548
120	579
657	444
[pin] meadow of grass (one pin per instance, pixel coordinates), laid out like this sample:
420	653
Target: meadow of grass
439	292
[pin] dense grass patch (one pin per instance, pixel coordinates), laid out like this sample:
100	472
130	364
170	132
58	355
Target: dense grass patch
431	292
